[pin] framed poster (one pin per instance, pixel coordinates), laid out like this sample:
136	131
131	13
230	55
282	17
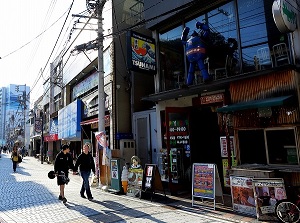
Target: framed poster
267	191
242	195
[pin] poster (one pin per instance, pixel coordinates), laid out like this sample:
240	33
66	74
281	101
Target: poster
114	170
226	171
267	192
203	180
135	179
223	145
149	175
242	195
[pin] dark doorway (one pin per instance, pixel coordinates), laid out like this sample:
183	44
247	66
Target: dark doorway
205	137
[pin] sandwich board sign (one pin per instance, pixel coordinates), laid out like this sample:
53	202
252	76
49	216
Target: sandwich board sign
206	182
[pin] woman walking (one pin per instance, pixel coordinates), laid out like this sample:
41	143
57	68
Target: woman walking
15	157
86	164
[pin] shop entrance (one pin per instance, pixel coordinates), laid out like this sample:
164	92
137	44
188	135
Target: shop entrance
205	137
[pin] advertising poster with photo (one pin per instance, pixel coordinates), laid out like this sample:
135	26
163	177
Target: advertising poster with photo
135	180
242	195
267	191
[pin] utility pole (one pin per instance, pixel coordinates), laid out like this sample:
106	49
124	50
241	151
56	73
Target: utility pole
101	94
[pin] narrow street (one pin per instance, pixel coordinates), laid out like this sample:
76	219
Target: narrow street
30	196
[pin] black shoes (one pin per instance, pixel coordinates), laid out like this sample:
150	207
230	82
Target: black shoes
82	195
90	198
63	199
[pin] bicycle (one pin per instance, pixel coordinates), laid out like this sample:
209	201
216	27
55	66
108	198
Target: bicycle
288	210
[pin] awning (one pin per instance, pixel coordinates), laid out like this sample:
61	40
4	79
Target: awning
90	121
263	103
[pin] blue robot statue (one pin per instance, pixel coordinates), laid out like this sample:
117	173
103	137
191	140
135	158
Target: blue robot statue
196	51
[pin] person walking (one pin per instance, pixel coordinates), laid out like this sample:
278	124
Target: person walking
86	164
15	157
63	162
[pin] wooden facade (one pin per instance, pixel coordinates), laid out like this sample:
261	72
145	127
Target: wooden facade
263	87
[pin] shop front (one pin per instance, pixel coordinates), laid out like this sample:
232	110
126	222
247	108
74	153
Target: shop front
190	135
264	123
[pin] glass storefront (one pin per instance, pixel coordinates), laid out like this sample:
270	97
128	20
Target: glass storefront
238	30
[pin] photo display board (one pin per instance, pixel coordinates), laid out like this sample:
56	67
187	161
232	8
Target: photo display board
242	195
267	191
135	179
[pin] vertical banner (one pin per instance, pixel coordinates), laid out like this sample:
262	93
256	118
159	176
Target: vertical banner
101	139
242	195
267	192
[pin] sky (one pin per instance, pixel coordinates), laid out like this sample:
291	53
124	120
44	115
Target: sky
29	32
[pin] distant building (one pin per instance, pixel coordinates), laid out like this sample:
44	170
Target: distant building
14	106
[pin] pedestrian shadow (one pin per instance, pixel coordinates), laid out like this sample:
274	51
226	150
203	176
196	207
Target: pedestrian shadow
111	212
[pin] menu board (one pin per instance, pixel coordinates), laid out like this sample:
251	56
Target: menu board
267	191
206	182
242	195
203	183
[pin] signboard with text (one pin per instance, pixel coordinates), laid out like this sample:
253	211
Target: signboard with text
141	53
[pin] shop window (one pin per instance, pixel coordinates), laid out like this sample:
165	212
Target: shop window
281	147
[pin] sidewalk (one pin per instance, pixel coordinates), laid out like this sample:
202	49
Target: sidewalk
30	196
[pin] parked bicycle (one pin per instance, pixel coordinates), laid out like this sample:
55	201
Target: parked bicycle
288	210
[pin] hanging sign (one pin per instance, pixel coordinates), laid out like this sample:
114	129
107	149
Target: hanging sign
285	15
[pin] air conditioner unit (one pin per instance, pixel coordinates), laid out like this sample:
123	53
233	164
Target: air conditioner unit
127	149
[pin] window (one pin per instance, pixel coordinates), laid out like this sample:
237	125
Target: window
257	29
281	147
172	59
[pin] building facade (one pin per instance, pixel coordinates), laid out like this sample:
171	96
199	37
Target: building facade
252	103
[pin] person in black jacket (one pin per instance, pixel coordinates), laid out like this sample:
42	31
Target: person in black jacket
63	162
86	164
